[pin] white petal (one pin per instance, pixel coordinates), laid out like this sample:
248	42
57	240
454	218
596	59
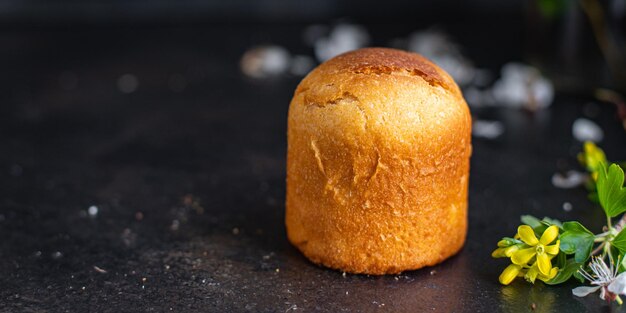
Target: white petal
583	291
618	286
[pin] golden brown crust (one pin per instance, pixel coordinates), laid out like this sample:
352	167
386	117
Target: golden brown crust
379	61
377	163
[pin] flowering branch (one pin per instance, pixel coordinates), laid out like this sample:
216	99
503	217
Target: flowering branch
553	252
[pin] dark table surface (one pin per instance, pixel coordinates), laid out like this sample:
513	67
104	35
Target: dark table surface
190	184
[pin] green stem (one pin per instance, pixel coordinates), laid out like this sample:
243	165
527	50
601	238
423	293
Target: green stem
598	249
619	300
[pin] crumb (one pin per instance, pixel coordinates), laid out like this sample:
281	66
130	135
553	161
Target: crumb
344	274
99	270
396	278
235	231
139	216
83	288
533	306
433	272
144	280
277	270
167	267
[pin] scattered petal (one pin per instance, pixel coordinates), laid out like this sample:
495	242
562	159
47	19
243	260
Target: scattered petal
437	46
571	179
584	291
523	86
487	129
265	61
342	38
586	130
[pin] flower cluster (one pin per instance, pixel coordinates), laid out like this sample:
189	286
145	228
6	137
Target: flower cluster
604	278
531	257
554	252
592	158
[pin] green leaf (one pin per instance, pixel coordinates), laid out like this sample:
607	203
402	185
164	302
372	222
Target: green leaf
539	226
575	226
508	241
611	193
531	221
565	273
552	221
561	260
619	242
577	240
578	276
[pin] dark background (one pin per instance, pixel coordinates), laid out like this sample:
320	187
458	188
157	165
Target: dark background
189	183
246	11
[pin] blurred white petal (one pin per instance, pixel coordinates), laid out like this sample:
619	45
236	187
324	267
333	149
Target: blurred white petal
583	291
618	286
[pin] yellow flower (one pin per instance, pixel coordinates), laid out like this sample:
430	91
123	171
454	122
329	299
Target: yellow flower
592	157
539	248
534	273
509	273
504	252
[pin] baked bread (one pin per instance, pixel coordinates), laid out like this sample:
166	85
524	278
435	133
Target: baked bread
379	142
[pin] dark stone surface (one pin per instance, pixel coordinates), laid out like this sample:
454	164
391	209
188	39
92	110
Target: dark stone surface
190	185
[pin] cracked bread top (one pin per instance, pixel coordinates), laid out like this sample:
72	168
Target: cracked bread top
385	61
385	92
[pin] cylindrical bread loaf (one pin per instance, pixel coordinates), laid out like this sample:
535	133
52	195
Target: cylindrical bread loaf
379	142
